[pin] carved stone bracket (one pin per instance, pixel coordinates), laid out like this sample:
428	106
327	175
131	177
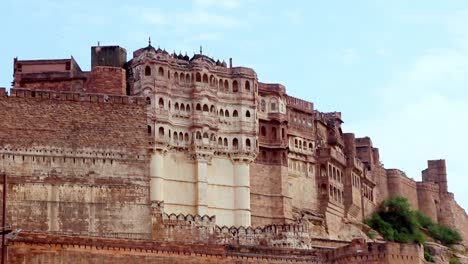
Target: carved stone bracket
201	156
247	157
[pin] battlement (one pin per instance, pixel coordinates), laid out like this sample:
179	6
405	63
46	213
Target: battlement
364	141
300	104
271	87
332	115
84	153
427	186
196	219
436	172
77	97
361	252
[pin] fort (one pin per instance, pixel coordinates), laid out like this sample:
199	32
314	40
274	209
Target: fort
166	158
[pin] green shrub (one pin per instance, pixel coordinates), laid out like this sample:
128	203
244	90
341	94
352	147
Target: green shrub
428	256
454	260
423	220
395	220
445	235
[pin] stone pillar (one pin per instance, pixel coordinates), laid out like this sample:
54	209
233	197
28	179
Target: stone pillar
242	191
156	176
202	186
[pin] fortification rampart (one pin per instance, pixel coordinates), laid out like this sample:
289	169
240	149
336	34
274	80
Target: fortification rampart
400	185
196	228
392	253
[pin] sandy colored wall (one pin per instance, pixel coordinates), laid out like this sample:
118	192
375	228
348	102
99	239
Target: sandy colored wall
269	197
400	185
38	249
75	166
303	190
181	193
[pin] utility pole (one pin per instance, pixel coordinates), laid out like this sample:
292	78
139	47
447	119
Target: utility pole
4	255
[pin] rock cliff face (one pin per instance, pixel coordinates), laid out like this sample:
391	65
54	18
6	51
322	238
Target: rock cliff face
147	148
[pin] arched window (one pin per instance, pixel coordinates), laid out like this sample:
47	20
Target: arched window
205	135
188	108
187	78
161	71
205	108
181	136
149	129
221	112
176	106
161	103
226	114
161	131
148	100
147	70
247	86
226	85
235	143
175	137
220	141
198	107
263	105
176	76
186	137
198	136
273	105
247	114
310	146
182	107
247	143
198	77
235	86
205	78
182	78
169	74
212	108
323	189
235	114
220	85
263	131
212	80
225	142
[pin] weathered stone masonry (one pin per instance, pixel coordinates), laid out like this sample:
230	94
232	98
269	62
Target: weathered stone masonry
165	147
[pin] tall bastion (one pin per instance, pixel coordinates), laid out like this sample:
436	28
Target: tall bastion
166	158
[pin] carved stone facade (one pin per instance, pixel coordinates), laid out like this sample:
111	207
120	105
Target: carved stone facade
149	147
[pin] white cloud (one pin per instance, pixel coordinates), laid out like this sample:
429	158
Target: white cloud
225	4
349	56
154	18
200	18
422	111
211	19
294	16
382	52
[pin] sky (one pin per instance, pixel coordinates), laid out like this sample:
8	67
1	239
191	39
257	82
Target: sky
397	70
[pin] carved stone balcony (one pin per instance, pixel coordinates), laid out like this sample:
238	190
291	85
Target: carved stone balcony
330	153
277	116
